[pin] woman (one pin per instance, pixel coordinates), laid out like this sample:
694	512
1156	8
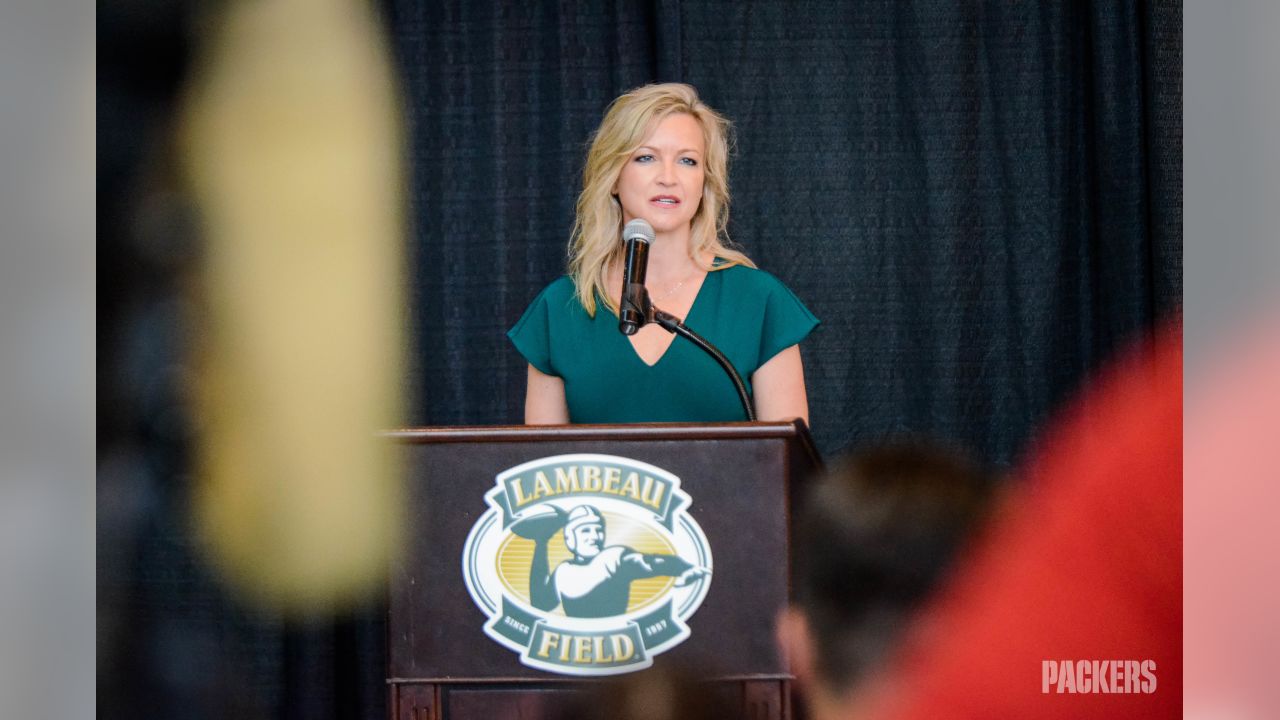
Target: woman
661	154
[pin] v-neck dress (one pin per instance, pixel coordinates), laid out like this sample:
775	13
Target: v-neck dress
747	313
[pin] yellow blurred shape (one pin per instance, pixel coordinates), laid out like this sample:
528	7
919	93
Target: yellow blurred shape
292	146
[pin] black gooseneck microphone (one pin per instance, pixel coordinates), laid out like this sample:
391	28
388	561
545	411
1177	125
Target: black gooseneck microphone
633	309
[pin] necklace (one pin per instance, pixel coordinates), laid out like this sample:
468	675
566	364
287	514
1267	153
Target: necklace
672	290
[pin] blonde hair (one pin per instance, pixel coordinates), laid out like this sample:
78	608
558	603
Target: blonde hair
596	239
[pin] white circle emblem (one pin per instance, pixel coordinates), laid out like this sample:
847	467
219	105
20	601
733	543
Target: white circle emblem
587	564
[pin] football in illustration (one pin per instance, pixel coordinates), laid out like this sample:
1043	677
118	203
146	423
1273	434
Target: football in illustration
540	523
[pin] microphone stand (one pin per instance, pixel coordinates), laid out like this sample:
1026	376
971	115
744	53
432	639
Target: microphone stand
675	325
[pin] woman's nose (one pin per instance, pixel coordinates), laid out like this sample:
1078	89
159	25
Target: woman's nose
667	172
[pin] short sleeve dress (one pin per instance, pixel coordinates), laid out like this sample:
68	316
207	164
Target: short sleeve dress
747	313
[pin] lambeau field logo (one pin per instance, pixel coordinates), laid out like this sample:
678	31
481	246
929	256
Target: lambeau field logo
587	564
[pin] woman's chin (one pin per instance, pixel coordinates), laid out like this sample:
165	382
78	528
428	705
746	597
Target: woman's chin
665	226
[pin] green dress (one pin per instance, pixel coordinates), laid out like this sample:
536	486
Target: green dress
747	313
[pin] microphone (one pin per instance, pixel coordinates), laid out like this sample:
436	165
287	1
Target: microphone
633	310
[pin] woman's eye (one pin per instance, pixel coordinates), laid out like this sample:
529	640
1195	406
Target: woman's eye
689	161
644	158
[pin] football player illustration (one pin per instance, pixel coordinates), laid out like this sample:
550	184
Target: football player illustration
596	581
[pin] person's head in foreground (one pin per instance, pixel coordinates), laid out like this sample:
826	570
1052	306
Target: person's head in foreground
874	537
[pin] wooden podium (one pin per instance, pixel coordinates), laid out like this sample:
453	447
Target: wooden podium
740	480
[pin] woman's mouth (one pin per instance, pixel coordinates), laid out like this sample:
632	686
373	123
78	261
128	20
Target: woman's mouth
665	201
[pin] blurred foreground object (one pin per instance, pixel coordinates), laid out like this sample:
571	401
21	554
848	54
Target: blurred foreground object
876	534
1232	571
1084	564
666	691
292	144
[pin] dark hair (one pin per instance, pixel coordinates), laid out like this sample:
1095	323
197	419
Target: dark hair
873	539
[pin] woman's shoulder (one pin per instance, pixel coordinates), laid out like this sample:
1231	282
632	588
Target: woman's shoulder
560	300
747	277
558	290
786	318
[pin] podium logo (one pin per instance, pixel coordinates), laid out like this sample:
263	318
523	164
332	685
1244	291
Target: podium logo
587	564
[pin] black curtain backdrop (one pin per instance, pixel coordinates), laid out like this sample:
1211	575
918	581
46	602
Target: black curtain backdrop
981	201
